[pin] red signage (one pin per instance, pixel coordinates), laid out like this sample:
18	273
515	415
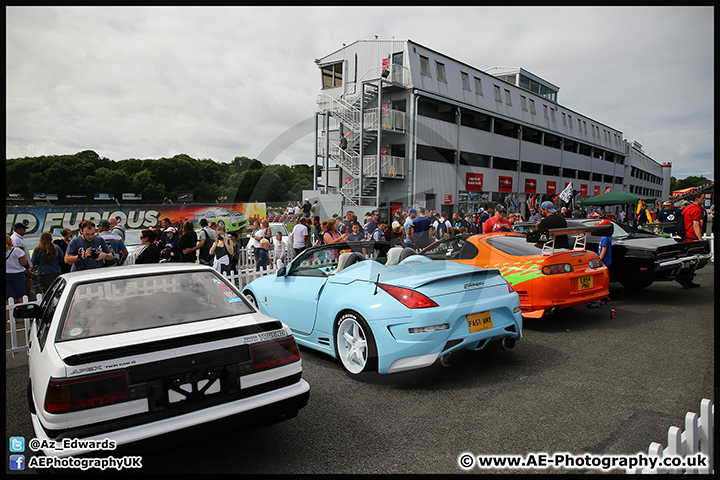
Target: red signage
347	180
474	182
551	186
530	185
596	190
583	189
447	200
385	63
505	184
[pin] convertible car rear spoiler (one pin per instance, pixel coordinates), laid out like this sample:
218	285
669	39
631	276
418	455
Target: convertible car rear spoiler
546	237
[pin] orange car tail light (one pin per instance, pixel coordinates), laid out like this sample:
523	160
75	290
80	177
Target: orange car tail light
69	395
559	268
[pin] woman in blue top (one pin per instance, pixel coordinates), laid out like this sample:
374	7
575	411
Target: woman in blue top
46	261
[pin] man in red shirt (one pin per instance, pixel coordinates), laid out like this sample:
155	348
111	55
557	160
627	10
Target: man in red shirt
494	224
692	215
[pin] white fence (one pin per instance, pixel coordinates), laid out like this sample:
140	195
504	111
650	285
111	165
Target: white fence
16	346
697	438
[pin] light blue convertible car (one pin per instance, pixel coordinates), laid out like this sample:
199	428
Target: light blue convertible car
386	309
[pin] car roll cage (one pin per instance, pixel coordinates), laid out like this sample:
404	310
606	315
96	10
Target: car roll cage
546	236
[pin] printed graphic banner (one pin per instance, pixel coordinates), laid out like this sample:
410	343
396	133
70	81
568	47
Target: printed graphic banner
41	218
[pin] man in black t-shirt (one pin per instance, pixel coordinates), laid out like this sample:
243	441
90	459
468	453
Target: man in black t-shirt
553	220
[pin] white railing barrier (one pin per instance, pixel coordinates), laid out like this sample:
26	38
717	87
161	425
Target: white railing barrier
15	346
697	438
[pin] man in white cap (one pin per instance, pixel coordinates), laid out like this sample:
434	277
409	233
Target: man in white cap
553	220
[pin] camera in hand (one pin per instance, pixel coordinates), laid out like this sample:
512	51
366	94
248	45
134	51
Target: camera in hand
94	252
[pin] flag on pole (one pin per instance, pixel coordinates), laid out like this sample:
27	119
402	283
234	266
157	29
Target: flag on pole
567	193
607	189
512	200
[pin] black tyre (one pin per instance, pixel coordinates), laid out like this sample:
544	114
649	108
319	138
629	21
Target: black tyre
355	344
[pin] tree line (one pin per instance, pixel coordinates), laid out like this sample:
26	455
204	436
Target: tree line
242	180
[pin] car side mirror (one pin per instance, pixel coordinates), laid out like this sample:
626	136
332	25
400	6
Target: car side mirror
27	311
281	272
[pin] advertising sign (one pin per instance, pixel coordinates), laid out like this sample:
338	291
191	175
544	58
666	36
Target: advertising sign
596	190
447	200
45	196
583	189
131	196
53	218
474	182
551	187
505	184
104	196
530	185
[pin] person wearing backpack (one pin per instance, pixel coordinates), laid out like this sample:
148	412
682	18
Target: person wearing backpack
692	217
440	227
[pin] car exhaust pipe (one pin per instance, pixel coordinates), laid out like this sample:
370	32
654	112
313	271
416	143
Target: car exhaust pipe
445	360
553	310
508	343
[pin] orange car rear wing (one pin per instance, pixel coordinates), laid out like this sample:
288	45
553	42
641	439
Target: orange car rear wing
546	237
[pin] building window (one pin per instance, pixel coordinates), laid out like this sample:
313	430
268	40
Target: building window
474	159
440	72
552	114
478	86
564	120
523	103
585	126
433	154
465	81
508	99
532	106
475	120
331	75
504	163
570	120
498	97
545	111
424	66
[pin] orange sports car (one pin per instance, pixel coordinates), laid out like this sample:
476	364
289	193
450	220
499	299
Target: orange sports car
545	278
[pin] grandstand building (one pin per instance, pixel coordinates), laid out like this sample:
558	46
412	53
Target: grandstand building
424	129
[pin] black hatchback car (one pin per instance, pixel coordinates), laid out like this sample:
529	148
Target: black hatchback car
640	258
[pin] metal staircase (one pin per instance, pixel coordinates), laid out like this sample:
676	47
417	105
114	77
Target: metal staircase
348	111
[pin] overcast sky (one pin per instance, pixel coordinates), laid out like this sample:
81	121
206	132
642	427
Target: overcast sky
220	83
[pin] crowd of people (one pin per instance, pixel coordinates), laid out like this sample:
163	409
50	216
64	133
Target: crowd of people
213	246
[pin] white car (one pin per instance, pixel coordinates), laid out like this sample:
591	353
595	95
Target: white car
128	354
133	245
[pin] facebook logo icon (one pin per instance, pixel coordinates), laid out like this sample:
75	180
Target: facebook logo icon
17	462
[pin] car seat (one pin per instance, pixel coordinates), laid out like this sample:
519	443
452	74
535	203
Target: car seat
393	256
347	259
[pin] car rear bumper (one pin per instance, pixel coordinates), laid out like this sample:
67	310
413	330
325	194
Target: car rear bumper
265	408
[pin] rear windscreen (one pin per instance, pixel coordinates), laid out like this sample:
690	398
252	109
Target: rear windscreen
138	303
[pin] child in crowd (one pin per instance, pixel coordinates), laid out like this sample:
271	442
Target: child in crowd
279	250
263	260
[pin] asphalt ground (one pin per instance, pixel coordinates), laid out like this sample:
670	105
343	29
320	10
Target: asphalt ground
578	382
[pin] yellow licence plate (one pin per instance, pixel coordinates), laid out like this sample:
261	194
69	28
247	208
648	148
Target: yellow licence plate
478	322
585	282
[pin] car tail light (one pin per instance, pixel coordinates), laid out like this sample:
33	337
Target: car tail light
559	268
510	287
595	263
409	298
275	354
63	396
